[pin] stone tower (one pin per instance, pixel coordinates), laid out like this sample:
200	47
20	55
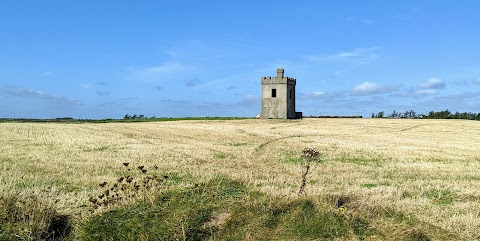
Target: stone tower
278	97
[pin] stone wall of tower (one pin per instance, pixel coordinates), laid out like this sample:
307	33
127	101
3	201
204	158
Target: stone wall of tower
290	101
282	105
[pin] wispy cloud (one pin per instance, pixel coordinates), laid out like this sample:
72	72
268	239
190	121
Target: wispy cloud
425	92
193	83
86	85
90	85
104	93
466	101
158	87
430	87
31	93
158	73
250	101
232	87
462	82
367	21
406	16
369	88
357	19
416	93
433	83
336	74
360	55
46	73
323	96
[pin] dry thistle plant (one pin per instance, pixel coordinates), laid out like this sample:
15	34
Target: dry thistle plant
309	156
126	188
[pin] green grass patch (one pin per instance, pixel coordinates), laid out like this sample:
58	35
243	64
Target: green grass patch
369	185
96	149
360	160
175	178
240	144
222	209
29	219
440	197
220	155
292	157
372	185
408	227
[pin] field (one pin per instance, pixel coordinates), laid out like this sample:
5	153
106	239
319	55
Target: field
405	177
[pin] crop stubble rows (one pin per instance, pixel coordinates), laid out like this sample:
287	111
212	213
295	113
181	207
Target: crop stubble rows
427	168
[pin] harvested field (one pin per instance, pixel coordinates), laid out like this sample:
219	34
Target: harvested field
426	169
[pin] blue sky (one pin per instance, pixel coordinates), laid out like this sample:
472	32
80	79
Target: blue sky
104	59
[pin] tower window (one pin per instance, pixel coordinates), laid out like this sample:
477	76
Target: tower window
274	93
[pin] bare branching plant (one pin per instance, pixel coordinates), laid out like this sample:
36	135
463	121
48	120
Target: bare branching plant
127	188
310	156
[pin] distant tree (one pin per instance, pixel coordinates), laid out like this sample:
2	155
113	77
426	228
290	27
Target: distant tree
373	115
410	114
141	116
456	115
380	114
393	115
134	116
127	116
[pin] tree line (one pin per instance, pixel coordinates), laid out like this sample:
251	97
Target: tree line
137	117
444	114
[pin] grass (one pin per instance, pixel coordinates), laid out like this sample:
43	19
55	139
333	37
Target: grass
440	197
293	157
223	209
431	172
27	218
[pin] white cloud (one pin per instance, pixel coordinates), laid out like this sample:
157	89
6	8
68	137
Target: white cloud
369	88
425	92
327	97
318	93
166	68
366	87
23	92
477	81
362	55
412	92
433	83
